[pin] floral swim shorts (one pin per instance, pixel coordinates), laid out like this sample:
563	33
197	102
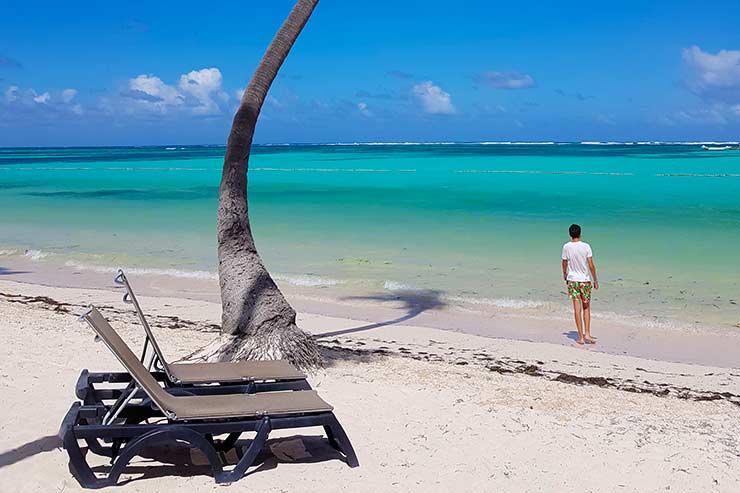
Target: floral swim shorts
579	290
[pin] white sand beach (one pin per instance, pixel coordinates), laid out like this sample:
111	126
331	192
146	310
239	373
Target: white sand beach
426	409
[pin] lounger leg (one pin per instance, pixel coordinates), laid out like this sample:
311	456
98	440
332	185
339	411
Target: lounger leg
340	441
332	440
223	445
185	434
115	448
228	443
94	446
263	431
78	465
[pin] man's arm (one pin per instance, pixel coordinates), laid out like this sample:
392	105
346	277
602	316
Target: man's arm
565	270
592	268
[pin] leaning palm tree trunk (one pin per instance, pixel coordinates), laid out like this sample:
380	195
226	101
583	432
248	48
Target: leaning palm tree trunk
257	321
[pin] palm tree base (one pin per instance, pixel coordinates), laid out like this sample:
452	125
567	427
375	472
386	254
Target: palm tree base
290	343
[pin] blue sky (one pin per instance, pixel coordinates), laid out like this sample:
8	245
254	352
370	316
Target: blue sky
136	73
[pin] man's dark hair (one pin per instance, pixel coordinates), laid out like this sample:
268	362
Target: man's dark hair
575	231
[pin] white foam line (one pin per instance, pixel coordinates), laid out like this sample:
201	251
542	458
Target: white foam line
699	175
304	280
104	169
307	280
398	287
541	172
499	302
36	254
334	170
188	274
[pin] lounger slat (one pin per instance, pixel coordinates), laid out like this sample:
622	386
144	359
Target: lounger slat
249	405
196	373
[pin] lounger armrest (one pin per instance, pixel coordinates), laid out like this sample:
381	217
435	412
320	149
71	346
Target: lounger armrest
70	419
119	377
83	386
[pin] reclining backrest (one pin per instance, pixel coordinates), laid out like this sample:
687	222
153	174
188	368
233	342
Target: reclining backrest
128	359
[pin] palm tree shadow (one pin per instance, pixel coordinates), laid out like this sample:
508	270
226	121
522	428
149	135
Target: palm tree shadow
414	303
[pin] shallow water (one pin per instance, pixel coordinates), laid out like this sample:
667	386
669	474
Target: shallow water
482	224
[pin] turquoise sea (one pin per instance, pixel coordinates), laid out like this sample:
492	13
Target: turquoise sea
479	223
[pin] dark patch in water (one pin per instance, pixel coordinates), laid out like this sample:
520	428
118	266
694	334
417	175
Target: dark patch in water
132	194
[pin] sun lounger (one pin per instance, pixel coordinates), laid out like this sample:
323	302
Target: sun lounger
242	377
204	373
192	419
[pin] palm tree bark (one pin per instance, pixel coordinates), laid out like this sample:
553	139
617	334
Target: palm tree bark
257	321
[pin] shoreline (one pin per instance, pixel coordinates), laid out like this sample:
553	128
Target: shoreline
700	345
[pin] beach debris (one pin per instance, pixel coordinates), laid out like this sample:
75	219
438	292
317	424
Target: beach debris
504	365
43	301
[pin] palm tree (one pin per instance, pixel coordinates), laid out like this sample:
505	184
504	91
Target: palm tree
257	321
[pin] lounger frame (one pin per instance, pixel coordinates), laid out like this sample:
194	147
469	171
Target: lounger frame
88	385
126	424
132	437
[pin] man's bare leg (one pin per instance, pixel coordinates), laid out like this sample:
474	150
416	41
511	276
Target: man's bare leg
587	322
577	309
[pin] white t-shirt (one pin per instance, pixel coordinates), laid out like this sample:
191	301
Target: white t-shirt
577	253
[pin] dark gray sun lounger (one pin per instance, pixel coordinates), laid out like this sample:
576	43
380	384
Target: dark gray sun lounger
241	377
204	373
192	419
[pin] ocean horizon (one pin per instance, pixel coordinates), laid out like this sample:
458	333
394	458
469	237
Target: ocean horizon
175	146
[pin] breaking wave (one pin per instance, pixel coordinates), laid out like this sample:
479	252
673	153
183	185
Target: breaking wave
103	269
307	280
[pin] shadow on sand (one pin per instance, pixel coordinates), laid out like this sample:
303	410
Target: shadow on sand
572	335
414	303
38	446
180	461
9	272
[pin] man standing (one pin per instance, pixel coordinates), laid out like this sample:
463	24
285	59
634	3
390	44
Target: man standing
579	272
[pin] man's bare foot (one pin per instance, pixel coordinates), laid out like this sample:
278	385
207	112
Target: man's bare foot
580	341
590	340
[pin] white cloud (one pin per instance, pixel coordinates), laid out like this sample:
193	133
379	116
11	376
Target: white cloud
197	92
21	101
605	119
12	94
42	98
433	99
203	85
274	102
150	91
362	108
505	80
720	70
714	76
68	95
239	92
713	115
